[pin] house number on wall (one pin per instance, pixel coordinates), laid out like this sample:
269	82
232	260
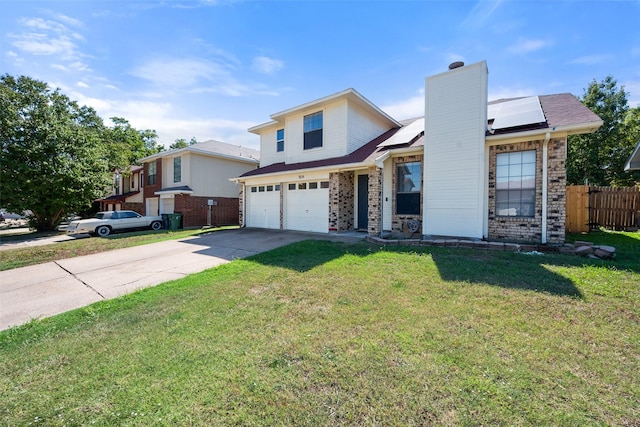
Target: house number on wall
300	176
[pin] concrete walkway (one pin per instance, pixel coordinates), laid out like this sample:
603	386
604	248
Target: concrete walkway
44	290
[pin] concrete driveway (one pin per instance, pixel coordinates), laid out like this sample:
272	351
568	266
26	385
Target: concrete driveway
55	287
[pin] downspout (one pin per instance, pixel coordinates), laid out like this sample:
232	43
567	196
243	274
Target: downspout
545	185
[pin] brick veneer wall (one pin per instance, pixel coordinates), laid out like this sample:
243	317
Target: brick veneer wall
195	210
341	201
557	190
530	229
399	222
241	204
374	219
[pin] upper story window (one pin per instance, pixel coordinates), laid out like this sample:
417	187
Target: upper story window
177	169
280	140
408	185
313	130
151	178
516	184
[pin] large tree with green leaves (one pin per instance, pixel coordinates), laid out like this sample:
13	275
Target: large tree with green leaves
599	158
56	158
132	144
182	143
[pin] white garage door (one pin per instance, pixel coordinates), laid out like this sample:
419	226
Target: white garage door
263	206
307	206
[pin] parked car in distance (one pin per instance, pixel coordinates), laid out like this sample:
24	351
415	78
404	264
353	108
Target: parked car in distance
109	222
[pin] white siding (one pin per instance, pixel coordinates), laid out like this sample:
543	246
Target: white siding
455	170
362	128
268	150
209	176
334	134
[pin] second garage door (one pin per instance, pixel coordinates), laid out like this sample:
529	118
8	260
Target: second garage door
307	206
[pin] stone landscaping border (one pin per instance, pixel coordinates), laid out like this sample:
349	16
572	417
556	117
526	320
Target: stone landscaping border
586	249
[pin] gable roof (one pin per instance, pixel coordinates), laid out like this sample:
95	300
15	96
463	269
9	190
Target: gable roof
367	154
212	148
350	94
563	113
633	164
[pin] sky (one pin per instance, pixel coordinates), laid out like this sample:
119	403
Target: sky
208	69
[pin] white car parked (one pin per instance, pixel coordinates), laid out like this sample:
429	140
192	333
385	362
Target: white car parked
108	222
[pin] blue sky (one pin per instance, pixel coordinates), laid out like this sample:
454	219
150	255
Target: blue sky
212	69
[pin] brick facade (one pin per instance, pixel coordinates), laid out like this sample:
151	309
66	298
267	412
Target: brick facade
195	210
149	190
241	204
374	219
341	201
521	229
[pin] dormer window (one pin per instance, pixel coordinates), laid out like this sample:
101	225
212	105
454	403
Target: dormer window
313	130
280	140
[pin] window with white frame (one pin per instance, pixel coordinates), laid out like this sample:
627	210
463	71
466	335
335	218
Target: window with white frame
177	169
516	184
313	130
280	140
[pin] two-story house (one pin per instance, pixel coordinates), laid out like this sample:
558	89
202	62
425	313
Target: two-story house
468	168
195	182
126	193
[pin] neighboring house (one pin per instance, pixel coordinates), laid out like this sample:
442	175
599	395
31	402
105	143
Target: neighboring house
633	164
126	192
469	168
195	182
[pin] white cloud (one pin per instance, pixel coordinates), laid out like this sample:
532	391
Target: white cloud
197	76
266	65
406	108
480	14
591	59
82	85
48	37
178	73
528	45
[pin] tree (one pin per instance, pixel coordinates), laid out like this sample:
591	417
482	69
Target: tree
599	158
182	143
55	159
131	144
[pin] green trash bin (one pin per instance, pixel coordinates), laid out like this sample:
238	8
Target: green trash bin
174	221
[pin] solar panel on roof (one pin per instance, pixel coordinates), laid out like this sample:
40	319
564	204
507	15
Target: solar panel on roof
405	134
518	112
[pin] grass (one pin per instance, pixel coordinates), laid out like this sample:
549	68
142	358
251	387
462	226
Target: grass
321	333
22	257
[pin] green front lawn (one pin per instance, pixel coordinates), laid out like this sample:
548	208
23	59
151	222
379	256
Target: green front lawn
322	333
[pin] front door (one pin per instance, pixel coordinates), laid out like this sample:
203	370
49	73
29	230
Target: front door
363	202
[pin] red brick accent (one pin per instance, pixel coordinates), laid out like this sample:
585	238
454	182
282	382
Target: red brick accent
149	190
195	210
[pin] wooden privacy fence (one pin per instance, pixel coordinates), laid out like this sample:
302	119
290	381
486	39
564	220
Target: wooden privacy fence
588	207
